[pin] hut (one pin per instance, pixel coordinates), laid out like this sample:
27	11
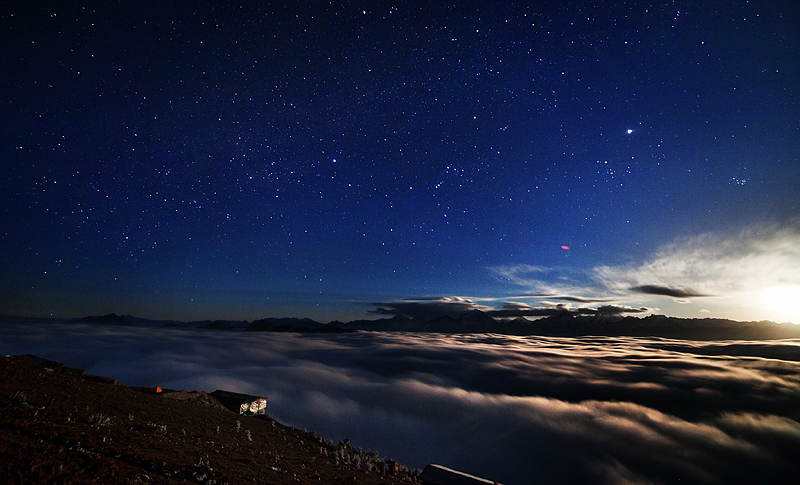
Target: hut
242	403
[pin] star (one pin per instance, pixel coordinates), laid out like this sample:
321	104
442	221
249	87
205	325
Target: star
254	174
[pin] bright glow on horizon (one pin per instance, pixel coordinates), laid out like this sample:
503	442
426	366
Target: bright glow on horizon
782	301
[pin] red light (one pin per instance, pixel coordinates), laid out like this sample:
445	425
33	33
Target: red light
565	247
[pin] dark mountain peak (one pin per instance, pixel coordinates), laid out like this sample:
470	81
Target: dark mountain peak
442	319
224	325
520	321
476	317
656	318
262	325
561	318
396	323
290	322
111	318
291	325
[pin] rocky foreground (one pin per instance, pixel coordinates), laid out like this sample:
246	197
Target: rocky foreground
60	426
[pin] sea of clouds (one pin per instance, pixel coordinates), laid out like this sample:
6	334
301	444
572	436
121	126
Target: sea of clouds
518	410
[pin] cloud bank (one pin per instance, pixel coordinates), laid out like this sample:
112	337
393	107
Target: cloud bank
425	308
714	264
515	409
748	275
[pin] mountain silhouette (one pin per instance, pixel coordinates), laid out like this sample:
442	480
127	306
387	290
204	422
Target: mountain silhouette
561	324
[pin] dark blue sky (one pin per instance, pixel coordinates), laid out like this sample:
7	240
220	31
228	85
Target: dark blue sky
242	160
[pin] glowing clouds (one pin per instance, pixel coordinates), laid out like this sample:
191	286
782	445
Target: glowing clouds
519	409
752	275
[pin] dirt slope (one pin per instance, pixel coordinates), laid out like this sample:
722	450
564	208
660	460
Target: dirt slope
62	427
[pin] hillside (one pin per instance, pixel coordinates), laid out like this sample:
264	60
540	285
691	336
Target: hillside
60	426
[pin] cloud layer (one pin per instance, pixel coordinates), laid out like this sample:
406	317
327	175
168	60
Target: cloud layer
515	409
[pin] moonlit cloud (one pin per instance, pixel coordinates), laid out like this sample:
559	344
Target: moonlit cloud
617	310
714	264
749	275
517	309
546	308
751	272
515	409
428	307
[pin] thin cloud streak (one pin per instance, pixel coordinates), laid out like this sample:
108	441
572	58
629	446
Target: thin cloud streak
663	290
515	409
575	299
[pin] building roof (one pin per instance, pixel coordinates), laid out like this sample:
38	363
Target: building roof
440	475
241	403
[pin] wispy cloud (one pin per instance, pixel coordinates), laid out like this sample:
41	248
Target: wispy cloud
663	290
551	283
572	298
525	275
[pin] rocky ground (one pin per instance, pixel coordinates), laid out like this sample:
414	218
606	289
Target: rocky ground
60	426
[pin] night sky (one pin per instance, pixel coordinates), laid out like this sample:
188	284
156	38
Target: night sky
340	160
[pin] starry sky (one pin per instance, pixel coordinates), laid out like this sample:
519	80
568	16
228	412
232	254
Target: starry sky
339	160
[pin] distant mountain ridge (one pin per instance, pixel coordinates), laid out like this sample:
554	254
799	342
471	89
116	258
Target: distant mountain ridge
290	325
564	324
110	319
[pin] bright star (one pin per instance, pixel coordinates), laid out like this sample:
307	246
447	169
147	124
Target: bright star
630	131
